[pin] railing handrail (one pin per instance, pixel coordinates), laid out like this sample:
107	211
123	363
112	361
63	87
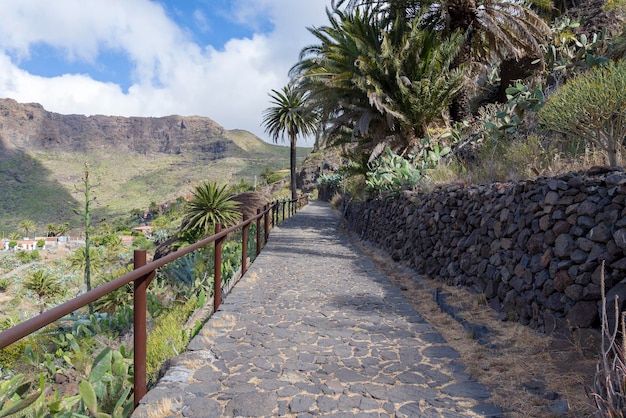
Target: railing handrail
35	323
140	273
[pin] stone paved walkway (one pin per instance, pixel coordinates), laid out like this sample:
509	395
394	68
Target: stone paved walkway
314	329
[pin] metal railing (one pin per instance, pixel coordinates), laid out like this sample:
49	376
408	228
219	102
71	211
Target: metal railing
143	274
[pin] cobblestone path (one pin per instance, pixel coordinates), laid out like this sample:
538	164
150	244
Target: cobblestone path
314	329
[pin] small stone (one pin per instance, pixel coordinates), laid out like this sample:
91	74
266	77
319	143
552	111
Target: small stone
562	280
564	245
620	238
600	233
583	314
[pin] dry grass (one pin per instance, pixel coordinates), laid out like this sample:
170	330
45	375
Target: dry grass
165	408
524	370
516	159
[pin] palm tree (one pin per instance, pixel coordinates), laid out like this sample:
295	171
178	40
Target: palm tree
44	285
210	205
78	260
493	29
117	298
27	225
54	230
383	83
289	116
328	70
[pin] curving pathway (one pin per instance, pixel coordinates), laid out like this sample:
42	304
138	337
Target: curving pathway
314	329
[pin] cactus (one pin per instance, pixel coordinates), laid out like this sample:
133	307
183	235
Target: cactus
15	396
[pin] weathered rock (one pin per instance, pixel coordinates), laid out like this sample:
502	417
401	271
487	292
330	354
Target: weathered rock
620	238
583	314
564	245
618	292
600	233
534	248
562	280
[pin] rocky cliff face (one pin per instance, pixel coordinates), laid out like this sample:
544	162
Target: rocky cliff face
30	127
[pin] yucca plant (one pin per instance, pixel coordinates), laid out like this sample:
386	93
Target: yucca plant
44	285
210	204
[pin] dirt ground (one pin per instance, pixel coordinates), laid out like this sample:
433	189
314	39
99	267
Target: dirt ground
530	374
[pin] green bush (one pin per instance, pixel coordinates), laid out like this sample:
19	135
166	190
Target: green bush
591	106
11	355
391	173
167	338
513	159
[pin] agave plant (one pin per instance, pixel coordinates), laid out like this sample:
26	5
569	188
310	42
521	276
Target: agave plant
210	205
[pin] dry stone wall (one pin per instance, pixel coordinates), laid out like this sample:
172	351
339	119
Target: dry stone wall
533	248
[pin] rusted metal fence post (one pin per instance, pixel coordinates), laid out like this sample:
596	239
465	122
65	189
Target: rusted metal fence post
217	275
283	204
267	225
244	247
139	323
258	232
274	214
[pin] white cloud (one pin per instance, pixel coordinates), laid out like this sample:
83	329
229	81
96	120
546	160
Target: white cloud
171	73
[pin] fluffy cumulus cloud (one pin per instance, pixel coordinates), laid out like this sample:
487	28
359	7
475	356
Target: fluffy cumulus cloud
168	68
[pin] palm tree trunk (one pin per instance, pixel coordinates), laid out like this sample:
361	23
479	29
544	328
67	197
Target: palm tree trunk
463	15
460	105
294	193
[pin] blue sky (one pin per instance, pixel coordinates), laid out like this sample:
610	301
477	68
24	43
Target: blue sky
214	58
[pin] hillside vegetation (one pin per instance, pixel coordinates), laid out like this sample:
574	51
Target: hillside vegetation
41	173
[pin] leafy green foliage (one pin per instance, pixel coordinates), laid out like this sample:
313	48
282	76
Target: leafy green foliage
108	386
105	392
15	395
57	230
508	117
189	274
117	298
591	106
378	82
28	256
27	225
210	205
167	338
392	173
330	180
44	285
289	116
569	53
269	176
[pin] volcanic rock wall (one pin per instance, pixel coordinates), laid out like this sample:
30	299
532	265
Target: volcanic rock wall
533	248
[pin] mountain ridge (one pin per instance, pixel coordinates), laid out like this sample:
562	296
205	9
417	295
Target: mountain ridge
134	161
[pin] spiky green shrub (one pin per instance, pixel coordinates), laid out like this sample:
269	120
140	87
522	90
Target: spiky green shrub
210	204
591	106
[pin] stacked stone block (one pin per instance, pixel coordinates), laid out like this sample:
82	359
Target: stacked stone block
534	248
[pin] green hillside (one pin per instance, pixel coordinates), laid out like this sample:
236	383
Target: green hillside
46	186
